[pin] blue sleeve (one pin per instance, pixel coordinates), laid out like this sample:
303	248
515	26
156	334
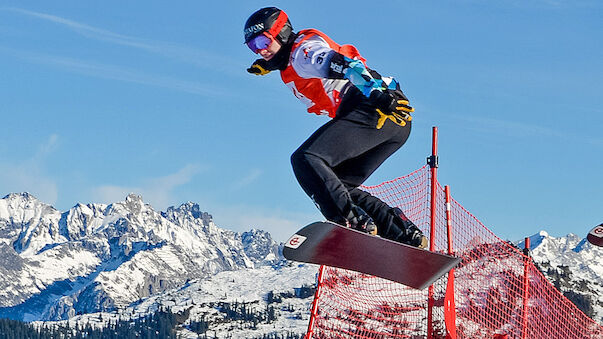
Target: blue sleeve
359	76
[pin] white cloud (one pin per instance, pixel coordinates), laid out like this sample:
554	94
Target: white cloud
521	129
79	27
155	191
112	72
247	180
280	223
107	71
30	175
166	49
280	227
22	178
111	193
47	147
545	4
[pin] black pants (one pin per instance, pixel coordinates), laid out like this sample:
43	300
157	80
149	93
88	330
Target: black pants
341	155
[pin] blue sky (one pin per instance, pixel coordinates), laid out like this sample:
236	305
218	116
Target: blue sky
101	99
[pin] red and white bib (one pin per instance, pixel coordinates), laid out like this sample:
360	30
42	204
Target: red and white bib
306	72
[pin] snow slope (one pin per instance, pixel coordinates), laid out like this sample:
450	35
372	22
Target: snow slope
201	299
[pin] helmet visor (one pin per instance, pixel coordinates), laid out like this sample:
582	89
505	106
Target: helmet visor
260	42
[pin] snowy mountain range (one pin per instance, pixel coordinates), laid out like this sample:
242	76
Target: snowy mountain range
102	258
97	263
574	266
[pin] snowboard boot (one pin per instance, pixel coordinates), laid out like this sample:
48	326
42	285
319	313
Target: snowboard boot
409	233
359	220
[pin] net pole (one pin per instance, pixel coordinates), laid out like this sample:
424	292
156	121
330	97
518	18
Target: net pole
448	219
449	304
433	164
310	331
526	270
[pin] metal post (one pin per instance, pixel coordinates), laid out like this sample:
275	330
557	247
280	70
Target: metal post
433	164
526	285
315	303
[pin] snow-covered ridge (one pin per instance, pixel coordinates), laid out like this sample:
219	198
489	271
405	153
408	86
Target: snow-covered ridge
96	257
573	260
199	300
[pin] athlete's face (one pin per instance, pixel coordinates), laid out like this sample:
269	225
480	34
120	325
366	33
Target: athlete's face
268	53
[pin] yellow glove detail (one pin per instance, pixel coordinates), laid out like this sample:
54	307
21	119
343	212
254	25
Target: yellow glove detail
399	119
257	69
402	105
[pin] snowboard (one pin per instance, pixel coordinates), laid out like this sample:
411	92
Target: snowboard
595	236
329	244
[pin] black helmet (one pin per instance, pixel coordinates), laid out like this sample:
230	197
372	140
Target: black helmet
271	20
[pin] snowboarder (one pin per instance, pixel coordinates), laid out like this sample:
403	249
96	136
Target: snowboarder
370	121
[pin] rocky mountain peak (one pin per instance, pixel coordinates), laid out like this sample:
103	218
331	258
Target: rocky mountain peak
24	196
22	207
98	257
189	214
134	203
572	264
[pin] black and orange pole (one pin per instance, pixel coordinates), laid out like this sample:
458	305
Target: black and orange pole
432	161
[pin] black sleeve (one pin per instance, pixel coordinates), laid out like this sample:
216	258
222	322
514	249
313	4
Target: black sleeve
337	64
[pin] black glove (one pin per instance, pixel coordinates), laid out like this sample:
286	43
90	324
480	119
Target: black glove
392	105
259	67
391	101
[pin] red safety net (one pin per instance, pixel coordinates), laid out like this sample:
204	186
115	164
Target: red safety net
497	289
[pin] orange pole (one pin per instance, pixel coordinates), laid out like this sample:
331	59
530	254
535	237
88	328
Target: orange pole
315	304
448	219
526	295
433	164
449	304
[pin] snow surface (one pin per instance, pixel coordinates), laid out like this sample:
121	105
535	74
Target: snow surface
200	298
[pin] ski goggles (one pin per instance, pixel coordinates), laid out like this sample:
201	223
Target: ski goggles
260	42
